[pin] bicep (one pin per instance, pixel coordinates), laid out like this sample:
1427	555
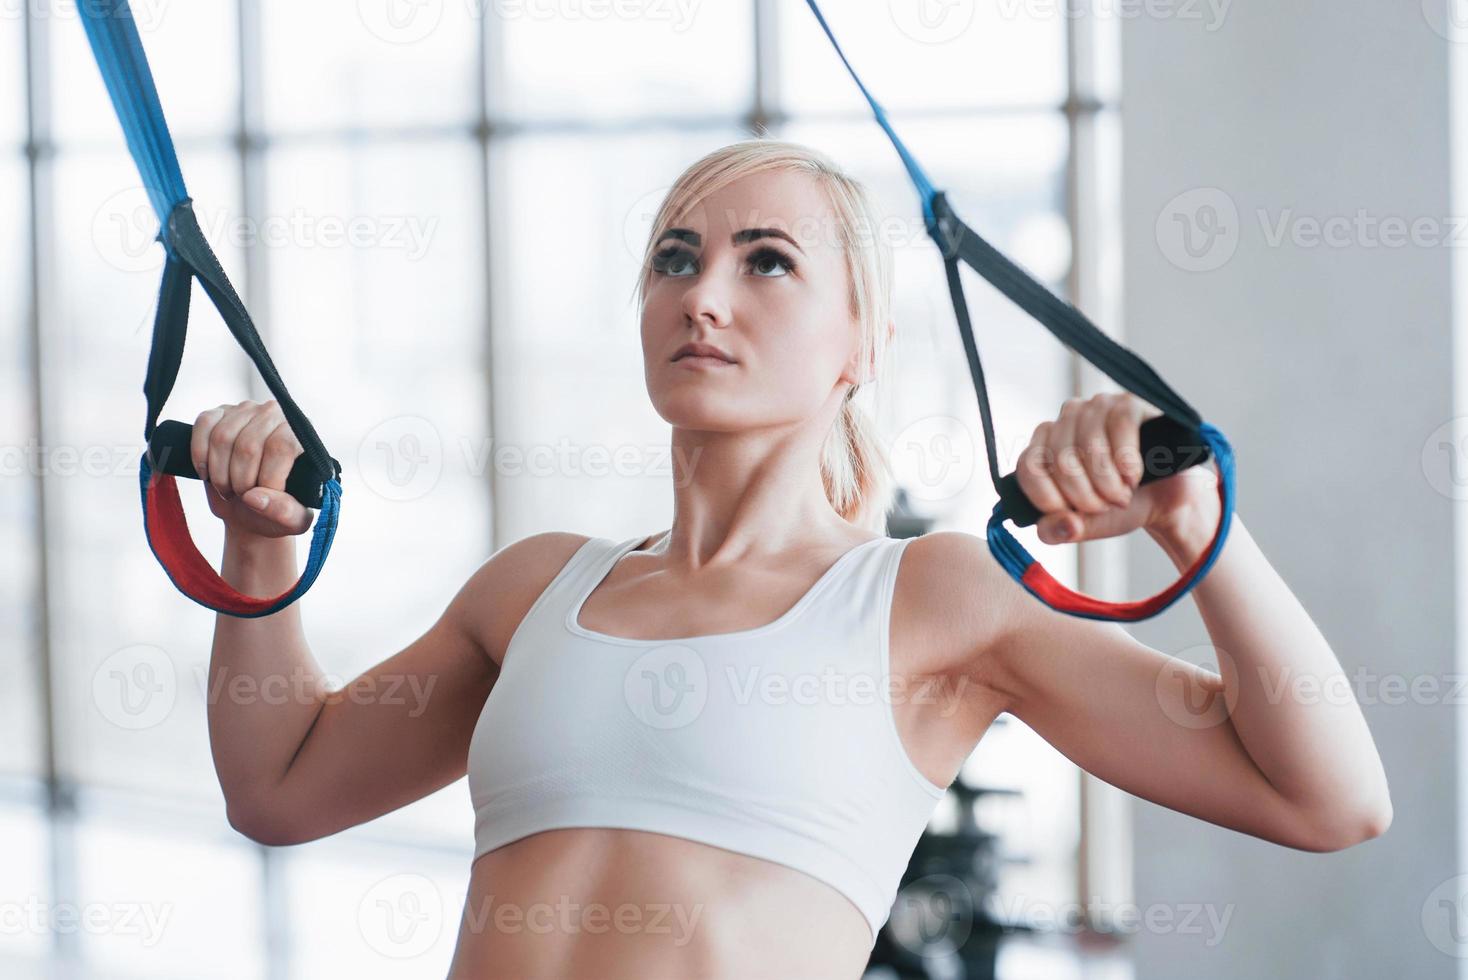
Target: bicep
1151	724
401	730
392	735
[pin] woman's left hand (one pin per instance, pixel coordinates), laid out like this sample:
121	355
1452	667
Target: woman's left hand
1083	473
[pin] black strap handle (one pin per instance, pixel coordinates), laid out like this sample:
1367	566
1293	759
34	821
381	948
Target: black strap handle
1168	447
168	452
189	255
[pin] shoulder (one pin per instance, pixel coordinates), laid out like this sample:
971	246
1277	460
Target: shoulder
952	603
501	590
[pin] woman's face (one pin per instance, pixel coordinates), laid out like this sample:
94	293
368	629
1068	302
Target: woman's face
756	270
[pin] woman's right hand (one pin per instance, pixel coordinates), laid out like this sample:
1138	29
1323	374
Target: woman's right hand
244	450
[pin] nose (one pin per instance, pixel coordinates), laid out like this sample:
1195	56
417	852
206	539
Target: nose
705	301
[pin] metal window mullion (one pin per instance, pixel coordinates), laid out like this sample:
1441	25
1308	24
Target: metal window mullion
249	155
490	81
767	111
1103	879
60	800
500	127
249	148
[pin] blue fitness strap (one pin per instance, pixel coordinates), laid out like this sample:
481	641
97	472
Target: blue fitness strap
1171	442
315	477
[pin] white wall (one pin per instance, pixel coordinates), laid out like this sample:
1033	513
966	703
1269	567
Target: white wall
1329	368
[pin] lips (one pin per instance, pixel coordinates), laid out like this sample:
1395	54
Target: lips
702	352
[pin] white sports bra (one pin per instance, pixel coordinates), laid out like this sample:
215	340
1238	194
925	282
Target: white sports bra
776	742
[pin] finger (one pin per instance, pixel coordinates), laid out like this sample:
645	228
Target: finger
249	448
280	453
1069	469
1094	442
1123	429
221	447
1033	472
1068	526
199	440
1059	528
281	508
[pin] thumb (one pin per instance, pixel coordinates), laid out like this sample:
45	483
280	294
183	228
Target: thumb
1070	526
1060	527
279	506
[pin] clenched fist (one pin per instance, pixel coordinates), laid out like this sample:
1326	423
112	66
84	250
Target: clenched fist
1083	473
244	453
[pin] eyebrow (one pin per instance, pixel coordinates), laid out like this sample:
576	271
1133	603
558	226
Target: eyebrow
738	238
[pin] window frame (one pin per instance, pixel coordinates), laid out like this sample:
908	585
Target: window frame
1104	863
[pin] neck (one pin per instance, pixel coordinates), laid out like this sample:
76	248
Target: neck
753	492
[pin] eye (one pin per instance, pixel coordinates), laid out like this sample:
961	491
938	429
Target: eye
768	255
670	262
669	259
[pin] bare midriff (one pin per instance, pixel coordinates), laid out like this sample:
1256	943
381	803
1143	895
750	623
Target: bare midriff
609	903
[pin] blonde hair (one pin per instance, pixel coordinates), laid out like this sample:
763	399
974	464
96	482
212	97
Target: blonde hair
855	471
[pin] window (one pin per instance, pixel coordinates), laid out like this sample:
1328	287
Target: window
378	179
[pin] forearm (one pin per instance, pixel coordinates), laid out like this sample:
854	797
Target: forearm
264	686
1288	699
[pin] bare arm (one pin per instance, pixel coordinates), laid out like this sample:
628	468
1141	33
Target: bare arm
295	760
1226	749
396	732
1274	745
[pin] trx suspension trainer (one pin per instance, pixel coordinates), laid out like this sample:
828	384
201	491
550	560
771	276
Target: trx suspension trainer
1170	443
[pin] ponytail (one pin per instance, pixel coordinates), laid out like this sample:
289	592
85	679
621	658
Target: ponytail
854	468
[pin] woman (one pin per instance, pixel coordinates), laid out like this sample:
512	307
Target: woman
653	795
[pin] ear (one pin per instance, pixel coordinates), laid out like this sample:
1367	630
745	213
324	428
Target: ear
871	368
853	374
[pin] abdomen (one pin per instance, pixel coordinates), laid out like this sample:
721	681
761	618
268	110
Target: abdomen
608	903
